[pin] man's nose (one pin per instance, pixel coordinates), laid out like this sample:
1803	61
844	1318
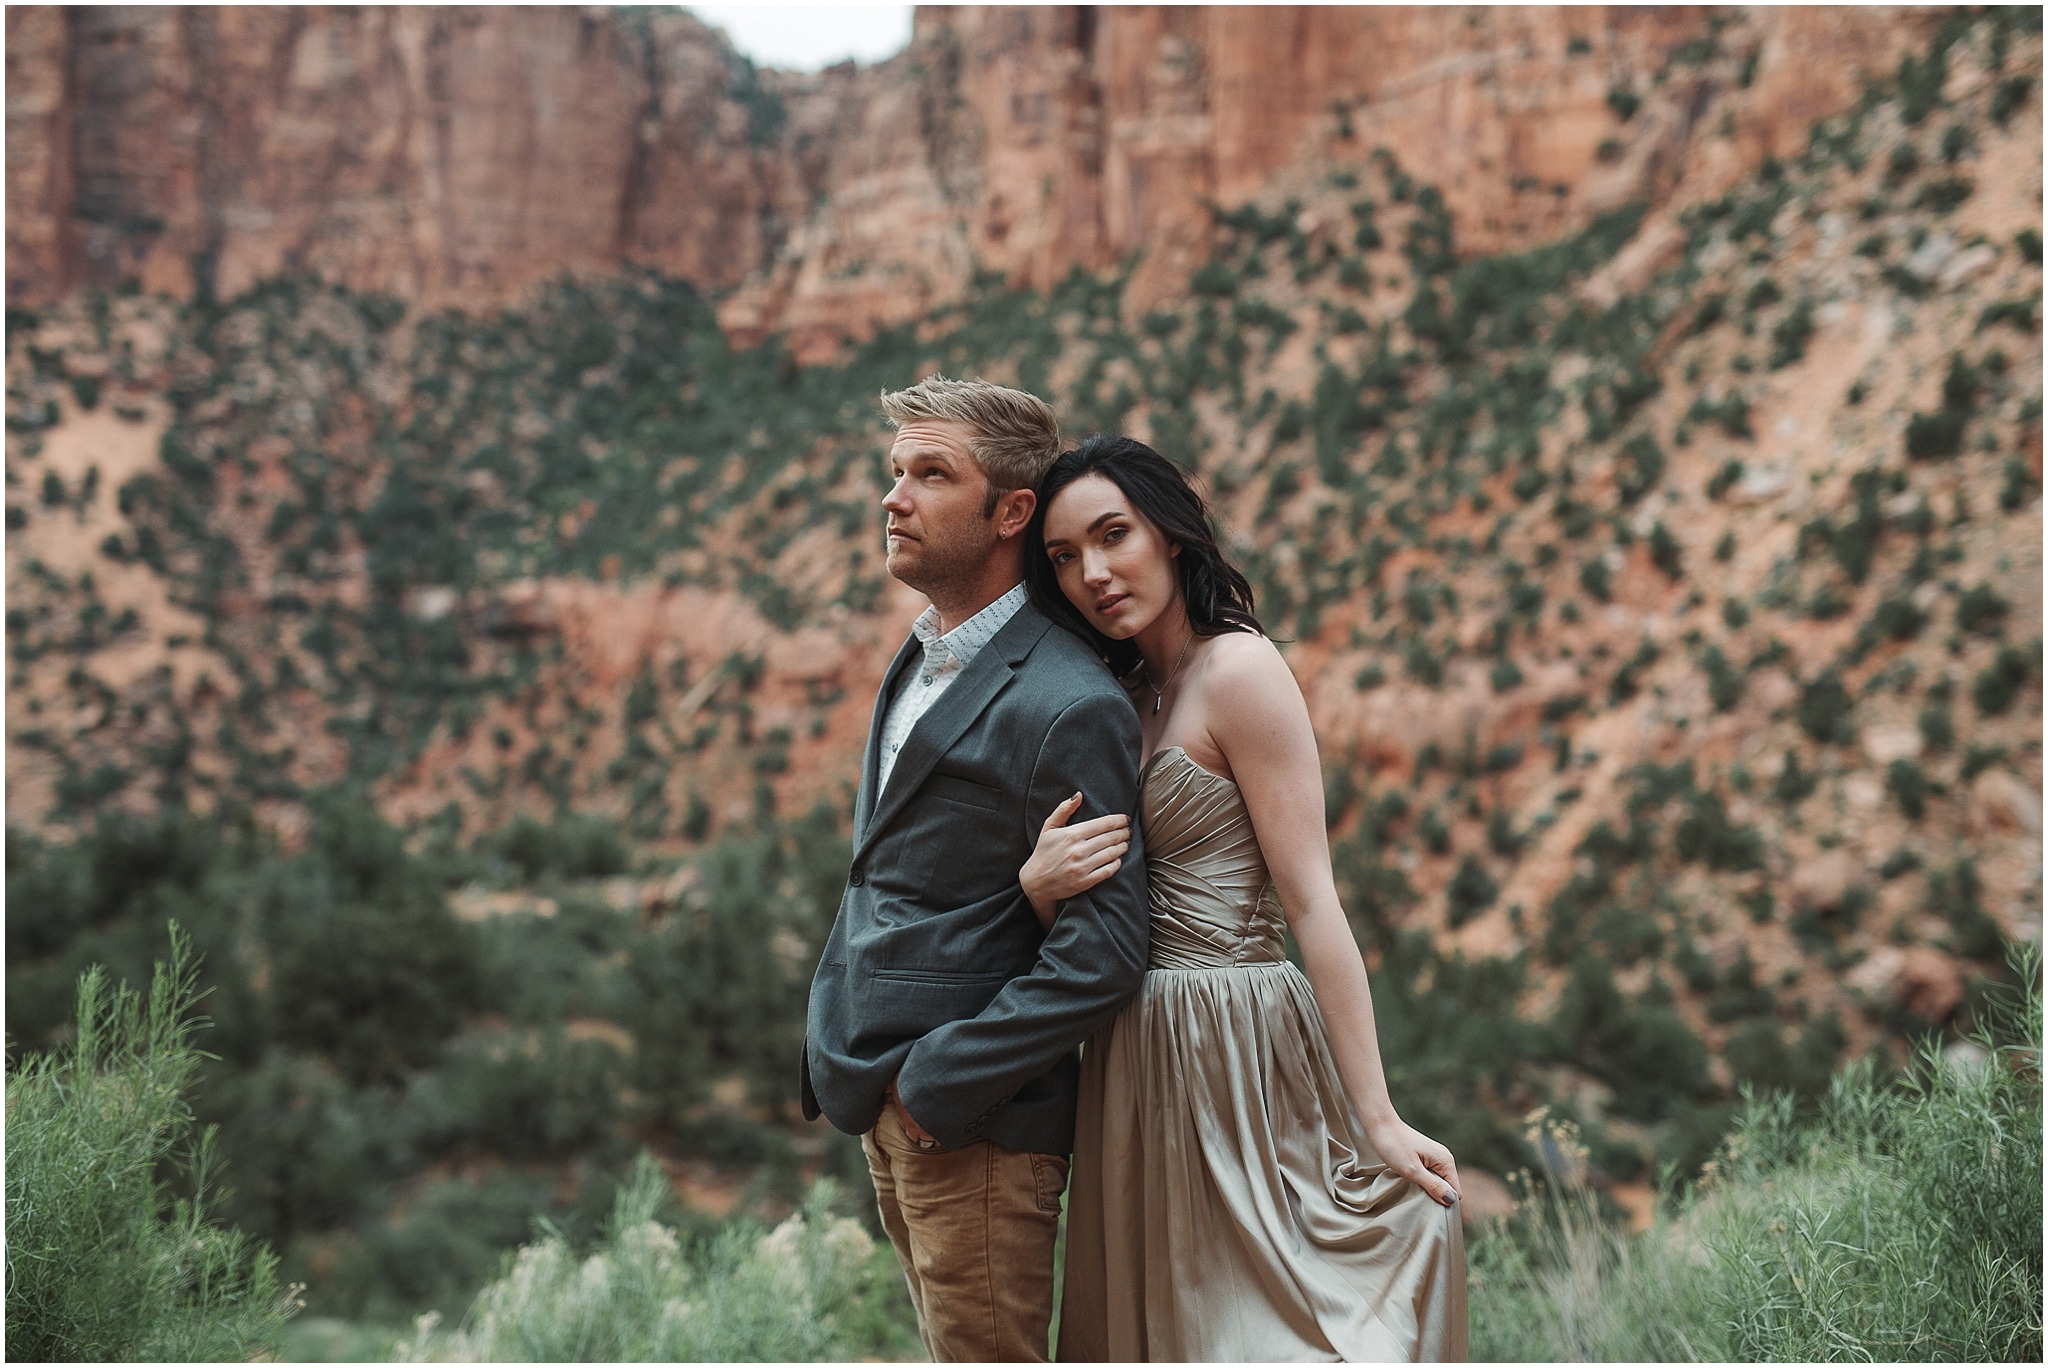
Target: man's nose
895	500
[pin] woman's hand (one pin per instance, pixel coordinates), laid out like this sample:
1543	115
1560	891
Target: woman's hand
1070	860
1416	1157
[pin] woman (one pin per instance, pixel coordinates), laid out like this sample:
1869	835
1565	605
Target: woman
1243	1188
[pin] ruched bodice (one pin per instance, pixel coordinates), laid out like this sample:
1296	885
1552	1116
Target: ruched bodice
1225	1203
1211	897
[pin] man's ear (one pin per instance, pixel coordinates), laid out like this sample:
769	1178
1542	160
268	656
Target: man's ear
1013	512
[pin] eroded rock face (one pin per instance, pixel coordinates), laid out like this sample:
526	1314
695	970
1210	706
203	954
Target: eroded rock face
461	156
448	155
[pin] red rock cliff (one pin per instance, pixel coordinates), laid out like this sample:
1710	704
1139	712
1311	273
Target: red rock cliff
461	155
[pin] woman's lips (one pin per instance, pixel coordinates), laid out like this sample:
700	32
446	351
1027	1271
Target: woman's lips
1104	607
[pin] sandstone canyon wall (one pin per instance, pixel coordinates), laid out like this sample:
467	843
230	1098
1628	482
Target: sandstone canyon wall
462	156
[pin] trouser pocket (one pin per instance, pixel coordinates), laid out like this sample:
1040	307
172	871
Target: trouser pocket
1049	1180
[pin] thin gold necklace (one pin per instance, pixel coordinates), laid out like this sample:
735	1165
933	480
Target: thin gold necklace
1159	690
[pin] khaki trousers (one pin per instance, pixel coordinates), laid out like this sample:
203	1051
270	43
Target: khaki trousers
974	1228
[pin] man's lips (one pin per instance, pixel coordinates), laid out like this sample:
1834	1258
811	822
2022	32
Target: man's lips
895	532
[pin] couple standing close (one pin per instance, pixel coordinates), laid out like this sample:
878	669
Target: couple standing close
1242	1186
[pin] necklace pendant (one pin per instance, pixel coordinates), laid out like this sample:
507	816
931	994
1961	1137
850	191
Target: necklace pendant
1155	703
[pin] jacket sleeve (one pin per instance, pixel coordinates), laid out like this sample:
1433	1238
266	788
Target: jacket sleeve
1091	961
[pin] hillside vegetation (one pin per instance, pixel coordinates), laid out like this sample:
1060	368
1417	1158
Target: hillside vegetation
484	691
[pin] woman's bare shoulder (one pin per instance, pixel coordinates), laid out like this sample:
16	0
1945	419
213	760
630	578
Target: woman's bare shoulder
1246	663
1251	695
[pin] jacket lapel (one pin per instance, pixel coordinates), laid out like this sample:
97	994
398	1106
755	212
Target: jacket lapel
965	699
871	762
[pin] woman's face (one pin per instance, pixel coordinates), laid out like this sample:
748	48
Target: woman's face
1111	561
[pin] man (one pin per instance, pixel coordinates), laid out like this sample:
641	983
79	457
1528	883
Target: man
943	1020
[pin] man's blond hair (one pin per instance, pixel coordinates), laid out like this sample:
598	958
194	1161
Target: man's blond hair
1013	436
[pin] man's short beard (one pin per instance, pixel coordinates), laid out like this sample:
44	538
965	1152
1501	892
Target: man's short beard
935	574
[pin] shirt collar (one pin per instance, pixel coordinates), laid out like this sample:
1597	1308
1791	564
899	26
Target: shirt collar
958	648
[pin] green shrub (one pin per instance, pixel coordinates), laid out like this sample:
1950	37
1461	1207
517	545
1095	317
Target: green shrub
1791	334
1470	892
1942	196
1706	835
1420	663
1434	833
1895	619
1826	710
573	846
1628	679
102	1263
1638	1046
2012	495
1501	837
1794	785
1725	683
1898	1220
1955	895
1712	309
2019	313
1639	468
815	1288
1759	1056
1730	412
1597	581
380	975
1725	479
1215	279
1981	610
1937	724
1999	683
1931	436
1665	552
2010	94
1908	783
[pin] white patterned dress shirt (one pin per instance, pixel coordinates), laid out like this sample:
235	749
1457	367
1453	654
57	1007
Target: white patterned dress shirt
944	658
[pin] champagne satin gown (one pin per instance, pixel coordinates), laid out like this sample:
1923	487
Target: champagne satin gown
1225	1203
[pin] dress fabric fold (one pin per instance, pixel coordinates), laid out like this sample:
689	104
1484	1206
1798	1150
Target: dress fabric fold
1225	1204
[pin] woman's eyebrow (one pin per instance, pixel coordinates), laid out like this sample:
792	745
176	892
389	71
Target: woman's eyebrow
1062	541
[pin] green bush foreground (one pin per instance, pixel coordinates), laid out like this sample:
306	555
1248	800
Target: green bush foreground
817	1287
103	1262
1902	1222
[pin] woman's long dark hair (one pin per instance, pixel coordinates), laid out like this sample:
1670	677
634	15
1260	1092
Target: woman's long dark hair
1218	597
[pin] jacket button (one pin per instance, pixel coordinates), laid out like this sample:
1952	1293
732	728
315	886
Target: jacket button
856	876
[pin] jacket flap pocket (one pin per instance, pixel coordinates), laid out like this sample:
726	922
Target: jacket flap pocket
908	974
961	790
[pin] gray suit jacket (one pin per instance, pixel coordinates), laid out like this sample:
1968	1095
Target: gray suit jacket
936	973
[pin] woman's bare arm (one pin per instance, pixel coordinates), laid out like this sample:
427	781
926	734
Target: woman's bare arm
1254	711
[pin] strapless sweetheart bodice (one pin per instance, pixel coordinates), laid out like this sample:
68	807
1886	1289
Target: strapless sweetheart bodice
1212	901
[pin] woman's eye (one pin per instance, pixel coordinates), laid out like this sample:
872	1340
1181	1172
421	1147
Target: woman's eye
1114	534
